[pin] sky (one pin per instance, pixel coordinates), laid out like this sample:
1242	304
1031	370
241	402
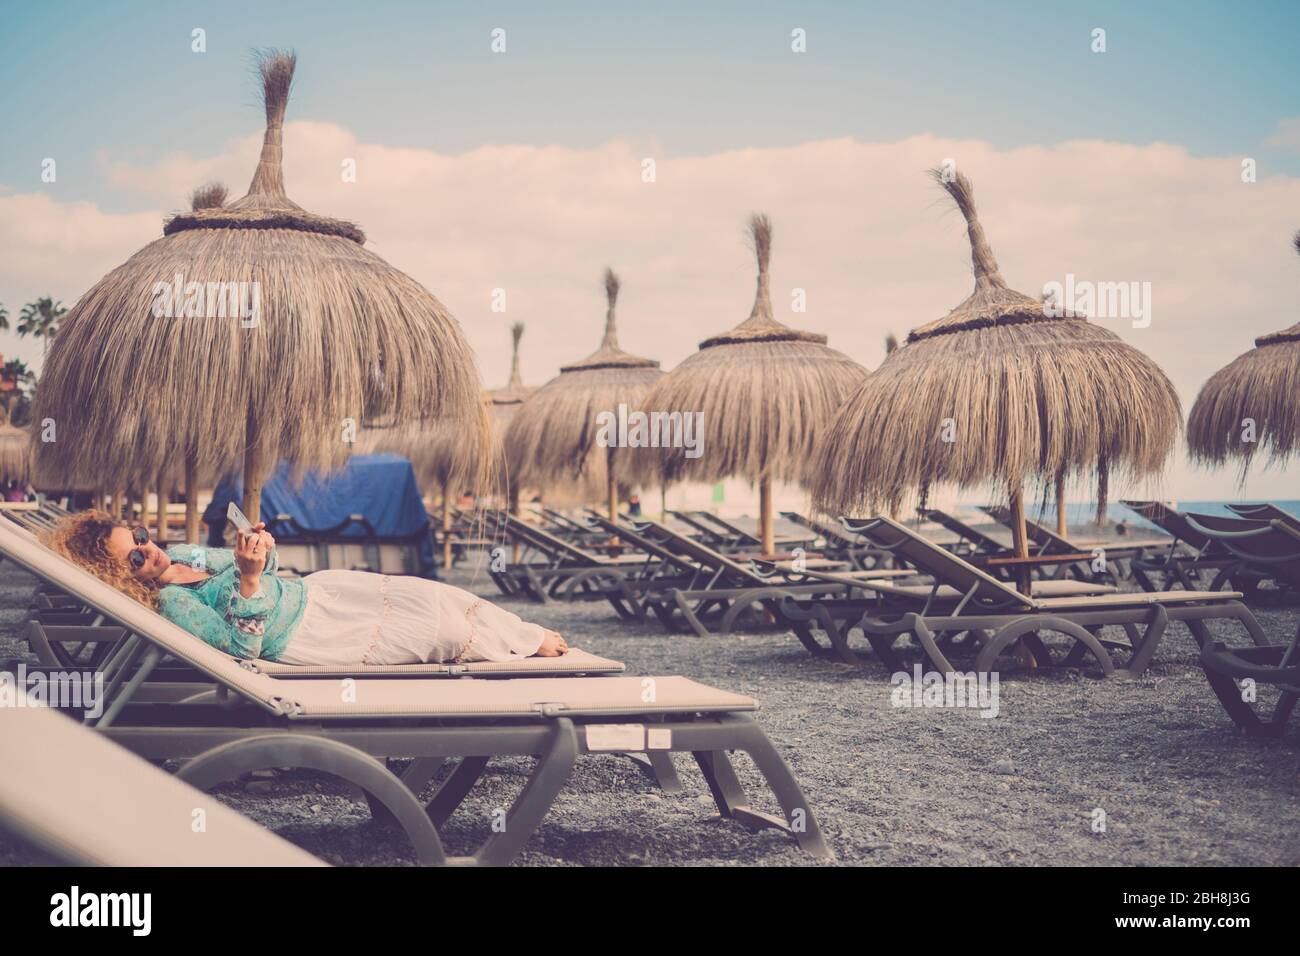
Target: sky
522	170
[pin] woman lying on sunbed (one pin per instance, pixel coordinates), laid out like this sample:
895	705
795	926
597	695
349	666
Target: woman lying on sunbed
236	602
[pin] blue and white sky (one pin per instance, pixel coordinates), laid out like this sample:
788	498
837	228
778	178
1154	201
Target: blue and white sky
481	170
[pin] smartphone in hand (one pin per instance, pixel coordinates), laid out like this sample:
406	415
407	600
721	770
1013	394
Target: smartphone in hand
237	518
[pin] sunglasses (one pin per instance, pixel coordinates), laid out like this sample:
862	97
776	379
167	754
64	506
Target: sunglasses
137	558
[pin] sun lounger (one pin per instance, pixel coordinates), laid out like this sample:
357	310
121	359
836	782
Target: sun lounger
722	591
90	641
1262	550
134	814
348	728
1265	511
994	617
1047	541
1190	557
551	567
567	527
970	540
749	540
836	543
1236	674
835	615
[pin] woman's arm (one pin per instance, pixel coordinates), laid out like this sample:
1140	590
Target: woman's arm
238	633
255	556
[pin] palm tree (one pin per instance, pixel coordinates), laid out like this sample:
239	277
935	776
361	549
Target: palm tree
15	379
16	371
40	319
4	318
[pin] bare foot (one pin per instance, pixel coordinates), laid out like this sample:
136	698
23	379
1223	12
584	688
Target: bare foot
552	646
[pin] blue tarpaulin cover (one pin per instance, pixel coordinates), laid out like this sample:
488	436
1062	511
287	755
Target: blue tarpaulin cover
380	487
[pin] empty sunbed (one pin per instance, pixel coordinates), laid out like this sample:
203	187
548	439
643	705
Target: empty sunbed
132	814
723	591
995	617
1260	550
746	539
1236	674
550	566
836	543
1265	511
835	615
1190	557
1047	541
970	540
348	728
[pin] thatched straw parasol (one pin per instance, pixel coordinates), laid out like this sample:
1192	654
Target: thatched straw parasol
553	437
1263	385
15	454
1000	391
506	400
767	394
446	456
326	335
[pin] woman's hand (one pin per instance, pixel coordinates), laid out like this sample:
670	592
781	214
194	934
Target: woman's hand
265	535
251	551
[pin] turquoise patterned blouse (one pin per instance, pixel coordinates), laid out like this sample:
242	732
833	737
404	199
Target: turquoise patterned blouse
215	611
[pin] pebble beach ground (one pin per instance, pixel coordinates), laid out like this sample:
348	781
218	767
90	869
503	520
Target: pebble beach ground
890	785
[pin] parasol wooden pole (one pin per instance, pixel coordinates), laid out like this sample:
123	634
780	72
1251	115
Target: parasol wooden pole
144	508
1019	539
191	501
1062	528
611	485
765	515
446	526
164	500
252	472
514	511
115	507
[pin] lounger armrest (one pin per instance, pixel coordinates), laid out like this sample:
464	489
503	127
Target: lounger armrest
1233	663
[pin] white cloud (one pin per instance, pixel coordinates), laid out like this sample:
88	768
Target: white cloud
858	225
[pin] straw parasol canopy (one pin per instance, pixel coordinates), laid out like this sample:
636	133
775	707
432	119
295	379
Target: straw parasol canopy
766	392
15	454
552	438
449	454
323	335
1000	391
507	399
1263	385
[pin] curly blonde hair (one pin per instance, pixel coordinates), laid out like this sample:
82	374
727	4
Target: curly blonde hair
82	538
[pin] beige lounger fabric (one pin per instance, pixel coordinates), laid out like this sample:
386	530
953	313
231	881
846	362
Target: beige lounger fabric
930	557
1136	599
81	797
609	696
1042	589
576	661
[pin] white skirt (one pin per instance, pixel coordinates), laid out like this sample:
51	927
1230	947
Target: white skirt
355	617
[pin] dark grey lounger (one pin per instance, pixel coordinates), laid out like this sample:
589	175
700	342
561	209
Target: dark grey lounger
997	616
